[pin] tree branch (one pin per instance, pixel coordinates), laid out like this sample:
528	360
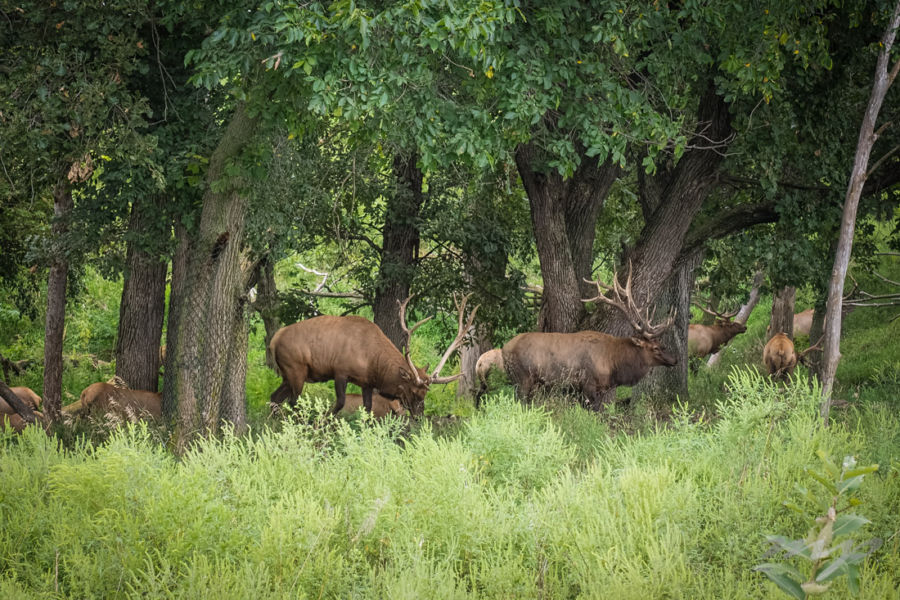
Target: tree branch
727	222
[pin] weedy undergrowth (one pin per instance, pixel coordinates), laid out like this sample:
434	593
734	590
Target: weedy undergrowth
829	549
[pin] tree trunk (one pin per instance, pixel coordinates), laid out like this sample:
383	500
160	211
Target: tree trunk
143	302
663	386
564	218
670	200
23	409
56	306
214	284
782	320
867	136
176	297
816	330
745	311
267	303
234	392
478	342
400	245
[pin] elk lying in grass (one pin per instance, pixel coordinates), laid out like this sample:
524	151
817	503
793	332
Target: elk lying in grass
355	350
381	406
590	361
781	358
707	339
106	399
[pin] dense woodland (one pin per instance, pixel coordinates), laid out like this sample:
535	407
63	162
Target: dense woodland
181	180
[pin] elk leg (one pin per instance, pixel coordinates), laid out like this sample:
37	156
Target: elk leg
367	398
281	394
340	391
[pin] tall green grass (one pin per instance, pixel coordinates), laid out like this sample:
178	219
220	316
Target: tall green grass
507	507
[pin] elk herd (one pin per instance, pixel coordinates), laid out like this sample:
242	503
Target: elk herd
352	349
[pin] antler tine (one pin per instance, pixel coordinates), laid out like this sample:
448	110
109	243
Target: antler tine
463	329
714	313
811	348
407	330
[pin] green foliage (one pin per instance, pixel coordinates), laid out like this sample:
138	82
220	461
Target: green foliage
828	546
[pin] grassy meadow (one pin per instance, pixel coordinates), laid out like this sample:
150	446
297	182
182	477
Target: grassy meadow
547	501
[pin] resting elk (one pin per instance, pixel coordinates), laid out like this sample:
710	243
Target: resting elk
107	399
381	406
9	418
354	350
780	357
707	339
590	361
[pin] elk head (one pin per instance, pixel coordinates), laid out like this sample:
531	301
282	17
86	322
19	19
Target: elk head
724	320
646	337
417	378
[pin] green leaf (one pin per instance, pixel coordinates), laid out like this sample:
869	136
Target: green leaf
847	524
859	471
853	579
780	575
832	569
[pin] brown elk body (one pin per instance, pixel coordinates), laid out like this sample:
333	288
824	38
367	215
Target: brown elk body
492	359
707	339
779	356
589	361
9	418
381	406
344	349
803	322
104	398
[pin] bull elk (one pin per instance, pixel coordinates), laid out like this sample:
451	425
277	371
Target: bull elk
106	399
781	358
352	349
707	339
590	361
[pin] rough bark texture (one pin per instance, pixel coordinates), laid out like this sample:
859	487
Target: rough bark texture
867	136
234	391
215	282
664	385
143	303
400	245
745	311
56	308
478	342
564	217
176	295
670	200
782	320
816	330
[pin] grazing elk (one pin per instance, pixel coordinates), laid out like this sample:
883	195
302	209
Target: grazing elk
355	350
707	339
590	361
106	399
9	418
781	358
492	359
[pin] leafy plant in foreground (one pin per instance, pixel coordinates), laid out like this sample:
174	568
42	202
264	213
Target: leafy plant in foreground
828	547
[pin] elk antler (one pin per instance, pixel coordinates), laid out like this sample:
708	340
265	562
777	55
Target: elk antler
409	331
714	313
462	330
624	301
817	345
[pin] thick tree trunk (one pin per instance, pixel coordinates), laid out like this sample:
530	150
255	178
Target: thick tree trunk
215	282
176	296
400	245
670	200
816	330
782	320
867	136
745	311
234	392
143	302
267	303
56	307
564	217
478	342
662	386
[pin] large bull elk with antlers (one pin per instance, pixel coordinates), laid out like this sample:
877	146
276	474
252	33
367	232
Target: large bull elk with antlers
707	339
352	349
590	361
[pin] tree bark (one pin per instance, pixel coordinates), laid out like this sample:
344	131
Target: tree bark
176	297
564	218
745	311
670	201
23	409
782	320
663	386
234	392
399	249
143	302
867	136
267	303
56	306
215	282
478	342
816	330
